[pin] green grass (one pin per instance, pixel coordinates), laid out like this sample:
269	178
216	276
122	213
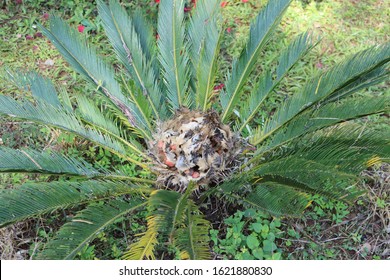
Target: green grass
328	230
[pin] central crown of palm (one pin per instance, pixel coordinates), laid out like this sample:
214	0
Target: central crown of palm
160	112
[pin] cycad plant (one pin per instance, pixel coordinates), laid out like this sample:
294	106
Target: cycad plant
159	111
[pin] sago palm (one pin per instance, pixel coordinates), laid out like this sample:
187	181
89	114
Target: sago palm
159	111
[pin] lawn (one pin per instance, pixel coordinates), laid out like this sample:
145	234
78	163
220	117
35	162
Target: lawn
328	229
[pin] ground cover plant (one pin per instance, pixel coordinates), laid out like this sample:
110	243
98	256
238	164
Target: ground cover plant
318	146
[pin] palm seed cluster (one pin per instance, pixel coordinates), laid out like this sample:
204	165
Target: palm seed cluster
194	146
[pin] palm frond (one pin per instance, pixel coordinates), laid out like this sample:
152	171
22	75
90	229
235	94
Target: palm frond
205	37
144	247
277	199
126	41
44	92
288	58
349	148
327	162
259	34
91	114
65	99
84	226
147	37
44	113
172	52
286	192
323	116
84	59
99	119
344	77
41	88
309	176
161	208
28	160
192	237
54	163
167	212
34	199
372	78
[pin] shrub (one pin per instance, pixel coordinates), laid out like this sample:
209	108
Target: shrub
162	111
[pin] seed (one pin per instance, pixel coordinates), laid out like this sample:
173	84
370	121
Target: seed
169	163
160	144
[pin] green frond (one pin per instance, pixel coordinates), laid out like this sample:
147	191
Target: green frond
54	163
140	101
327	162
309	176
277	199
126	41
348	148
91	114
260	31
373	77
31	161
147	37
34	199
205	37
288	58
344	77
44	92
94	118
178	217
44	113
41	88
322	117
161	207
84	59
167	212
84	226
192	237
113	113
286	192
173	52
65	99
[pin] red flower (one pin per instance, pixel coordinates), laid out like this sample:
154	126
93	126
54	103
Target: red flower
187	9
81	28
319	65
29	37
229	29
219	87
244	1
45	16
224	4
156	1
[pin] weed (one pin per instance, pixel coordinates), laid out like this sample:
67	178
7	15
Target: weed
248	235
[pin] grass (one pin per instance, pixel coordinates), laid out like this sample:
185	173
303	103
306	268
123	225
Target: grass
328	230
